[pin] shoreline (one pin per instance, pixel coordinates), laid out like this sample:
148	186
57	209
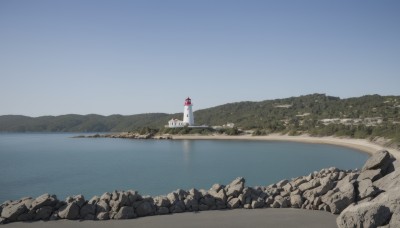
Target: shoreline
362	145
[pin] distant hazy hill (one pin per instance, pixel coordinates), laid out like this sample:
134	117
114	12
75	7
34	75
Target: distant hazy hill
304	113
81	123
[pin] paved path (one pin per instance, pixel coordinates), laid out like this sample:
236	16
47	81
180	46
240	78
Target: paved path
267	217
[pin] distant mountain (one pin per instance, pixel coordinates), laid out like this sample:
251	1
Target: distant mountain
314	113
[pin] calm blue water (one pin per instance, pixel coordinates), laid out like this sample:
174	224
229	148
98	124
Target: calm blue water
33	164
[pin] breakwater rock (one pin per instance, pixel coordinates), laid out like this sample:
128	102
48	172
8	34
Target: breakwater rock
366	198
126	135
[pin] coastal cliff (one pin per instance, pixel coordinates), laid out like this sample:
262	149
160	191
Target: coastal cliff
366	198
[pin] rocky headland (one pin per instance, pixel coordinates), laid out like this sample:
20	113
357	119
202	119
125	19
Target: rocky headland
125	135
369	197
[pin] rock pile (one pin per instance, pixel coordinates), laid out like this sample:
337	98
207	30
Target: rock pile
366	198
126	135
378	201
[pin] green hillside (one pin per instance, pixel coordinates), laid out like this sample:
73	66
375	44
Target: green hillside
317	114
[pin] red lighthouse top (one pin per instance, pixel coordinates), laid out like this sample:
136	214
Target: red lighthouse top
188	101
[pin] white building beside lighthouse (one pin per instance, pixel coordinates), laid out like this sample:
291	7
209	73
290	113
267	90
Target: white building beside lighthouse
188	117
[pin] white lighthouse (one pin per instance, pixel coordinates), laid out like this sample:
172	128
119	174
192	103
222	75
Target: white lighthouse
188	117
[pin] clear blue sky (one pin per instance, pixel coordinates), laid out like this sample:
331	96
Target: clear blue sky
129	57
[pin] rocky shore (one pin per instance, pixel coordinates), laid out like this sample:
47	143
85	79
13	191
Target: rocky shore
366	198
125	135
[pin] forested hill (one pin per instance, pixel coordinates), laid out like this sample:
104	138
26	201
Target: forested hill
315	113
82	123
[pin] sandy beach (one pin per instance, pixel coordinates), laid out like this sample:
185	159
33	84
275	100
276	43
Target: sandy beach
358	144
268	217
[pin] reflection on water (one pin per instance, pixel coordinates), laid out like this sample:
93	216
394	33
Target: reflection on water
187	146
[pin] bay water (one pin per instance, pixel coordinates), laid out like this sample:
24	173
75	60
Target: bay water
35	163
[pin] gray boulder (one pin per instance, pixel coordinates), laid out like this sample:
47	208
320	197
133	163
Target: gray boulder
12	211
216	187
106	197
88	209
366	189
191	203
125	213
234	203
43	213
284	193
196	194
173	197
296	201
340	198
218	195
257	203
54	216
373	175
115	195
29	216
390	181
298	182
133	196
203	207
114	205
333	176
162	211
309	177
123	199
103	216
235	188
161	201
275	204
309	185
326	184
379	160
102	206
208	200
288	187
269	200
220	204
94	200
44	200
145	208
282	183
364	215
282	202
317	201
112	214
395	220
182	194
79	200
69	211
178	207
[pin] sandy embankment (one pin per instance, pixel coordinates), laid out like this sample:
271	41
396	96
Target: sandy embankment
267	217
358	144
